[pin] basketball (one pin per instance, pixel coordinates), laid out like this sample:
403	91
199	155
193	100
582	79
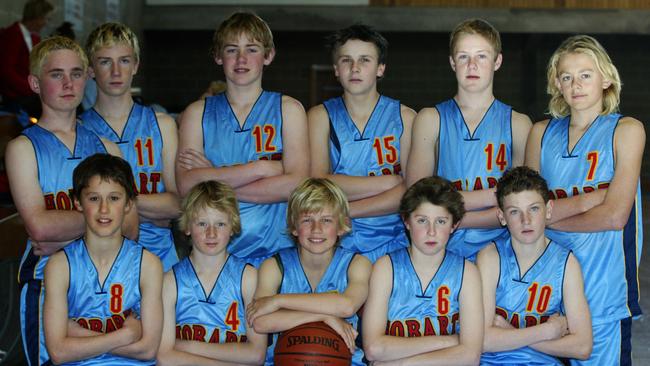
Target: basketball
311	344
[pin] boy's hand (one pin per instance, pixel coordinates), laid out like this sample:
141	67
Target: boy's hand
344	329
262	306
501	322
133	328
191	159
42	248
269	168
557	326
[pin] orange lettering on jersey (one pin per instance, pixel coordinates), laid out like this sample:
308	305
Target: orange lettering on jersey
413	328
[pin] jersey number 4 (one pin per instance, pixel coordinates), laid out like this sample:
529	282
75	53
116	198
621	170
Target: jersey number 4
232	317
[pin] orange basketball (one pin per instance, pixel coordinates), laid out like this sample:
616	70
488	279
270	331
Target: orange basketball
311	344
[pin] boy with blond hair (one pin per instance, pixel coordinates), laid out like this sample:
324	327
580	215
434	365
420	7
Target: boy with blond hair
246	137
147	139
472	138
591	155
39	166
316	280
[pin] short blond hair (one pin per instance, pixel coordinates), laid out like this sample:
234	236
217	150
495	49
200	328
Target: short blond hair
479	27
589	46
110	34
314	195
247	23
212	194
42	50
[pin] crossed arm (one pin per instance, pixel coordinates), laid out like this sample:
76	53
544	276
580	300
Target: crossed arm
183	352
259	181
431	350
603	209
562	335
136	339
49	230
368	195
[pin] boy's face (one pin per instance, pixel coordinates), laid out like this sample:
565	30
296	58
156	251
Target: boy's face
430	227
210	230
243	60
113	69
580	82
474	62
104	205
61	82
318	232
525	214
357	66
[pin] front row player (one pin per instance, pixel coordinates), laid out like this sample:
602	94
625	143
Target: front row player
535	306
424	305
102	298
204	295
316	280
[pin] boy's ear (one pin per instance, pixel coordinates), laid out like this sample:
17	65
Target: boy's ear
453	228
91	72
498	61
33	84
218	60
549	209
381	69
269	57
77	205
348	223
452	63
502	219
606	84
129	205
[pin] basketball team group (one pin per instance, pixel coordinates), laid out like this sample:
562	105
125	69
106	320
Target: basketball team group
462	234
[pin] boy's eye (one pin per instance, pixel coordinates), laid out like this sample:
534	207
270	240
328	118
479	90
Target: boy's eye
327	220
105	62
441	221
565	78
585	76
534	208
125	61
421	220
513	212
77	74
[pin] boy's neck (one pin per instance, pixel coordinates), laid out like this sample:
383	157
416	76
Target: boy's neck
582	119
58	120
103	248
210	263
527	254
315	261
479	100
361	103
243	95
114	107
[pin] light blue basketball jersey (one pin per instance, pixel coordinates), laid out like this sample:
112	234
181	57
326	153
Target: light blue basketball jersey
413	312
372	152
55	164
474	162
528	300
609	259
335	279
226	143
141	144
215	317
103	307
